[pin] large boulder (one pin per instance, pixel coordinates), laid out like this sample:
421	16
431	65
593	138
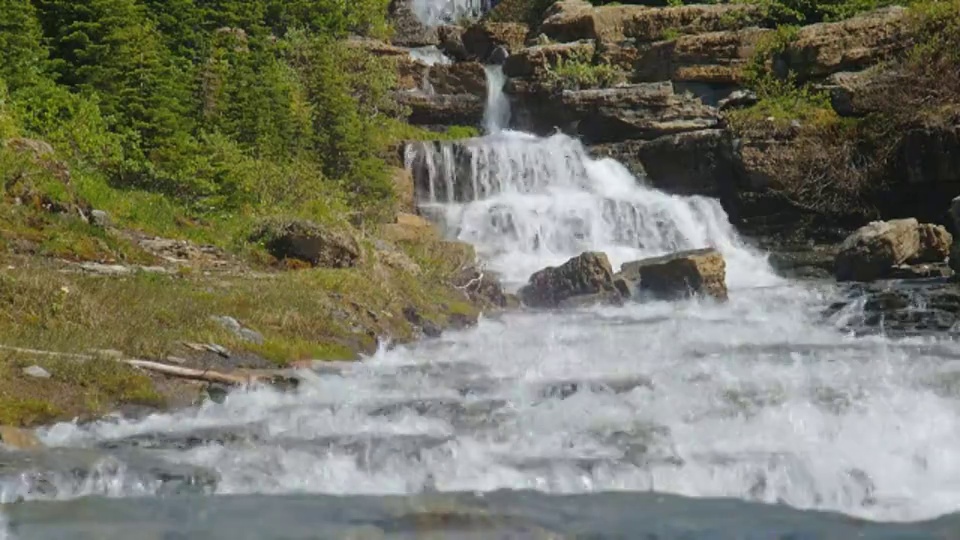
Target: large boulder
585	277
678	275
852	44
309	242
874	250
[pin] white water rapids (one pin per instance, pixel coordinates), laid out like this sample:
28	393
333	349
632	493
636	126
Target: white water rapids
759	398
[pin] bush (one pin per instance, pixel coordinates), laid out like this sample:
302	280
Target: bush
579	72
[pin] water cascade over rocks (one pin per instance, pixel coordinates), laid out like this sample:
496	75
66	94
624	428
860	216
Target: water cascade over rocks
759	399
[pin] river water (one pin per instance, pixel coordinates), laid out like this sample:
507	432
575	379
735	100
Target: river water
755	418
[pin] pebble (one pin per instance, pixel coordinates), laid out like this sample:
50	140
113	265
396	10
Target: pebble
36	372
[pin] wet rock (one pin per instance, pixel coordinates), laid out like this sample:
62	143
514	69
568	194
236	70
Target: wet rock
36	372
678	275
809	261
570	20
451	42
307	241
588	274
482	287
920	271
428	327
849	45
482	39
19	439
899	308
408	31
535	61
700	162
873	250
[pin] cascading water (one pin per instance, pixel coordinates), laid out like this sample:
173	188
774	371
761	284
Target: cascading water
496	116
528	202
758	399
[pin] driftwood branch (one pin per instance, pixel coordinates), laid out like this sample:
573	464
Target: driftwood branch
195	374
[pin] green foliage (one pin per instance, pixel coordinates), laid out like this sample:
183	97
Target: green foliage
23	58
523	11
205	114
579	72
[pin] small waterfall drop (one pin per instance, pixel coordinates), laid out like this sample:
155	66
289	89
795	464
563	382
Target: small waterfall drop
496	117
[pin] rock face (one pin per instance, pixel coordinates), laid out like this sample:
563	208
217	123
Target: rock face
408	31
534	61
571	20
875	249
666	162
587	277
480	40
822	49
309	242
637	111
713	58
443	94
697	272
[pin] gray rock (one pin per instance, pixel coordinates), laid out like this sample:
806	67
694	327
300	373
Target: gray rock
738	99
239	330
251	335
100	218
36	372
229	323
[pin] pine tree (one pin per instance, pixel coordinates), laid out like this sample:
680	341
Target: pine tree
110	47
23	58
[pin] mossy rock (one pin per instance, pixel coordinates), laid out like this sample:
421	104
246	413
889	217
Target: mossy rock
310	242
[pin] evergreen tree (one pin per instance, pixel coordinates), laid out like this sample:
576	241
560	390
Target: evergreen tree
334	18
23	58
110	47
248	15
180	22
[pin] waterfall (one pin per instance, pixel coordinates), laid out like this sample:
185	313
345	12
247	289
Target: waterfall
527	202
496	117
